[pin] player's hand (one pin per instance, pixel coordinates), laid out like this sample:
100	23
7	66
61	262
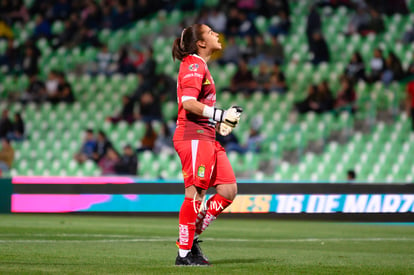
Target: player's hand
223	129
232	116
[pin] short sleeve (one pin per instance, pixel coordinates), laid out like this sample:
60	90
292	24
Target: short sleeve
192	75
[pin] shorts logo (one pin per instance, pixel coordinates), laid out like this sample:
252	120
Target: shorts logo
200	131
207	82
201	171
193	67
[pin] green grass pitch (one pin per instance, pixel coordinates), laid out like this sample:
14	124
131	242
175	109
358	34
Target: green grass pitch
80	244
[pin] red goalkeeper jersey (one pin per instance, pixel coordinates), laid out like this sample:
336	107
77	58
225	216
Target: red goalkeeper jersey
194	81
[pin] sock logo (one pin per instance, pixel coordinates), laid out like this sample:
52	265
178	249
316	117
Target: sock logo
203	205
184	236
216	205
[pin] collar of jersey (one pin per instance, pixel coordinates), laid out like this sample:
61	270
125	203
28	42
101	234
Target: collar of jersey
196	55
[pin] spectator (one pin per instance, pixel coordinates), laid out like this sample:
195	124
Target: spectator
277	80
30	59
262	52
282	26
243	79
108	162
166	88
64	91
88	147
355	70
359	20
393	69
270	7
319	49
346	97
310	103
255	139
148	141
146	74
230	143
104	63
6	125
120	16
275	52
36	92
313	23
149	107
42	28
127	111
12	56
350	176
325	99
233	22
253	143
262	79
125	64
6	156
247	49
408	36
375	24
128	162
231	52
5	30
163	143
61	9
102	146
377	65
52	84
217	20
17	133
246	28
410	102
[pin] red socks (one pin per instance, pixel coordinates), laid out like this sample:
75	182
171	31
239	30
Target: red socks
214	206
191	221
187	219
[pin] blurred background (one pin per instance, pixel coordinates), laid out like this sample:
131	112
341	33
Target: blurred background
88	88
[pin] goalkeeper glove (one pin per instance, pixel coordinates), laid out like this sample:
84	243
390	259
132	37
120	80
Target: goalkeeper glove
230	120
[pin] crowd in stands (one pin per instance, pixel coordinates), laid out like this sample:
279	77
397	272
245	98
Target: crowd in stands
244	45
12	129
99	148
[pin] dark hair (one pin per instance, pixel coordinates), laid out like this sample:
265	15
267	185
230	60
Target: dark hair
351	174
187	43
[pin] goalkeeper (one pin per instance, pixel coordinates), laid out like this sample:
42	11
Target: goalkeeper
204	161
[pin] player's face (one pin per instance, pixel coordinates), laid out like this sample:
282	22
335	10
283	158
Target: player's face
211	38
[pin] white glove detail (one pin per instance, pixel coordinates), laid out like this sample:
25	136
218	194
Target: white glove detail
223	129
232	116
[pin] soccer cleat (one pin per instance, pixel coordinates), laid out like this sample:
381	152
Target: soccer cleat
189	260
196	251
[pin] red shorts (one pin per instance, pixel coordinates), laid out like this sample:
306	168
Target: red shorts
205	163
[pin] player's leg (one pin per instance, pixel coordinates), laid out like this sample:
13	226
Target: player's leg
224	181
197	158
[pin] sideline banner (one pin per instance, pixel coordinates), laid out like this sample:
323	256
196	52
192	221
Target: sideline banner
126	194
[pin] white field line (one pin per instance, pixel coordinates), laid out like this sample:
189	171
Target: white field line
169	239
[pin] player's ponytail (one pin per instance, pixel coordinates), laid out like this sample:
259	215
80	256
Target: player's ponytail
186	44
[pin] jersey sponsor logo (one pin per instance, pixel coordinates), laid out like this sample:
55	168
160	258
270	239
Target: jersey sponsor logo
201	171
193	67
192	75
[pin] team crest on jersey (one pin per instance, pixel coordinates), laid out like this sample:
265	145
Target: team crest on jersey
201	171
193	67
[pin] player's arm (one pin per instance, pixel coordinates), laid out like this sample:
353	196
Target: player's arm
230	116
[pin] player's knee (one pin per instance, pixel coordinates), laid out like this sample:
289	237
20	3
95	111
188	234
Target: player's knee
228	191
